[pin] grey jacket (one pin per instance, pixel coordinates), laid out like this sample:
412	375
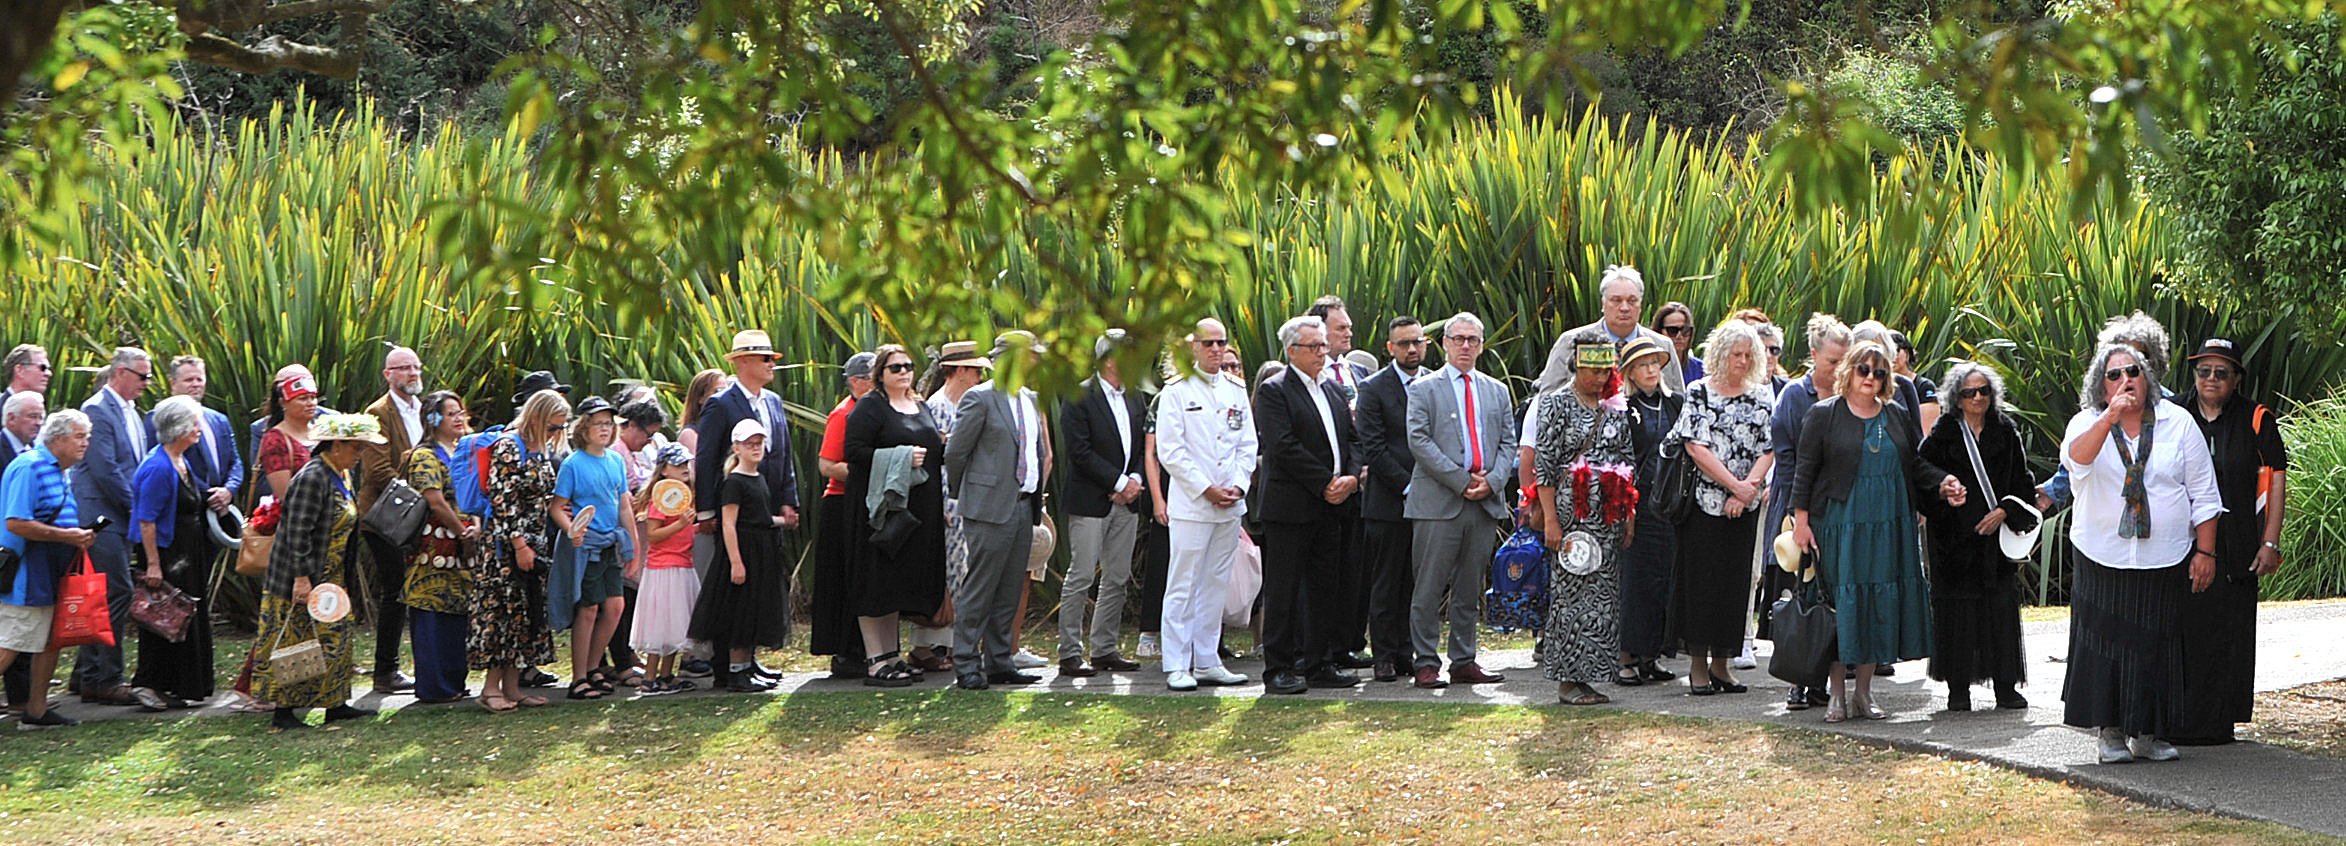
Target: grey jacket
1437	435
889	498
981	457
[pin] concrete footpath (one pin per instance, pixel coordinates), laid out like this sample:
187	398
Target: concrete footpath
2297	644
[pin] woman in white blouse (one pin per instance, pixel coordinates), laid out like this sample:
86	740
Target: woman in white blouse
2145	531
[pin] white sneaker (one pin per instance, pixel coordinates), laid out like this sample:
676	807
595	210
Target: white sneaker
2150	748
1147	647
1178	680
1026	659
2113	747
1219	676
1745	661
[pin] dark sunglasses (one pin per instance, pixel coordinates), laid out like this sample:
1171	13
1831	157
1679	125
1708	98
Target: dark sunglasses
148	376
2217	373
1214	342
1868	371
1676	331
900	367
1981	391
2131	371
1776	351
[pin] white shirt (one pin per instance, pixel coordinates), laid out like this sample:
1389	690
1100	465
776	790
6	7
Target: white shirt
411	415
1205	438
1030	441
757	406
2181	486
204	435
134	426
1530	434
1123	417
1338	372
1319	400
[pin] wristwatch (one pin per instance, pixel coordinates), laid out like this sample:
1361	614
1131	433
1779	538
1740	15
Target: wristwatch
2272	546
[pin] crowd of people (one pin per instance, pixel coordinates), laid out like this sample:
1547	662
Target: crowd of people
1372	496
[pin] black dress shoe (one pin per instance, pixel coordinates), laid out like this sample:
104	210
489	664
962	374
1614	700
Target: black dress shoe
1385	671
1327	677
1352	661
1074	668
1229	654
972	681
395	682
347	712
1011	677
1284	682
1114	663
744	682
844	668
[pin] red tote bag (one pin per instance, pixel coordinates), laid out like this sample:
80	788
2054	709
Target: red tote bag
81	609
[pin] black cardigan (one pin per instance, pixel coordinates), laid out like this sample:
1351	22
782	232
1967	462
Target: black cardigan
1831	437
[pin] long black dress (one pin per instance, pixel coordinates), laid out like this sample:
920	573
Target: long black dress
1648	567
755	613
912	581
2219	646
182	670
1975	590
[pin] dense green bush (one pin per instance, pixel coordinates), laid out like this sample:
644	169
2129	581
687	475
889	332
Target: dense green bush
2313	535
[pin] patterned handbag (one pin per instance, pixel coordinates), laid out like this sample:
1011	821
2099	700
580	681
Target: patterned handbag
298	663
163	610
1518	596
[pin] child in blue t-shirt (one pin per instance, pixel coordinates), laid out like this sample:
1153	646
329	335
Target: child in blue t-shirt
592	506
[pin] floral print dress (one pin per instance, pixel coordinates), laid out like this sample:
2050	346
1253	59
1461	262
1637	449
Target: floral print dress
509	603
439	577
1588	455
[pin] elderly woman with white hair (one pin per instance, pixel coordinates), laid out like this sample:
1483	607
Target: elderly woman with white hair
1725	429
173	551
40	529
2145	530
1975	587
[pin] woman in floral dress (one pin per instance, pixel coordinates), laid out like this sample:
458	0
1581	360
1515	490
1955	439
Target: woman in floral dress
1588	483
509	593
312	550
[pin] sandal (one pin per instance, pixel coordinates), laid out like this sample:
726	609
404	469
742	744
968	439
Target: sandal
497	704
634	677
1837	711
889	671
1628	677
533	701
586	689
599	677
1588	696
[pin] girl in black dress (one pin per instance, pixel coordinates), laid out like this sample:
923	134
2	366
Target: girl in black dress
903	578
745	596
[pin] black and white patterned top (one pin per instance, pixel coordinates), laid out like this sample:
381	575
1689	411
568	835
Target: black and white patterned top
1734	428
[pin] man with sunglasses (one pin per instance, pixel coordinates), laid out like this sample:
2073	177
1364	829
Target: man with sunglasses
28	370
1621	295
753	358
119	440
2252	468
1207	445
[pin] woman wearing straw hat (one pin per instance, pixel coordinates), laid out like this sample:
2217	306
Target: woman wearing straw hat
312	553
1975	585
1647	565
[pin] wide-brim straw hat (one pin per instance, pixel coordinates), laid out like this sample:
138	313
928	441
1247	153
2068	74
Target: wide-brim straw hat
962	354
363	428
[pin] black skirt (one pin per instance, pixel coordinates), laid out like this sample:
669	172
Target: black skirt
1648	569
1975	608
1708	604
755	613
834	630
2125	653
2219	660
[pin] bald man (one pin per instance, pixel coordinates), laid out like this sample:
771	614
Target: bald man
401	412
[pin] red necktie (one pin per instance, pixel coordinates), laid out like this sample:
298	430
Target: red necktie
1474	432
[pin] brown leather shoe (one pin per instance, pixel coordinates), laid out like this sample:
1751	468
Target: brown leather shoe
117	695
1472	673
1385	670
1430	678
1073	667
935	663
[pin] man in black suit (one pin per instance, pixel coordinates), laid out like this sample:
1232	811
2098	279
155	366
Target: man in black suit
1383	422
753	357
1350	628
1103	426
1310	470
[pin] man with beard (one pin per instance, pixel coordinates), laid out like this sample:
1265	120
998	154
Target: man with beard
1382	420
400	411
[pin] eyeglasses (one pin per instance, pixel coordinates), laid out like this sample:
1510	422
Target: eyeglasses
1868	371
148	376
1315	345
2131	371
407	368
1470	340
900	367
1677	331
1214	342
1776	351
1973	393
2216	373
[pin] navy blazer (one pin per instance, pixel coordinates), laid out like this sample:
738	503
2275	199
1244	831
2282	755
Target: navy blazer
1096	464
1381	418
217	431
1297	459
101	482
716	443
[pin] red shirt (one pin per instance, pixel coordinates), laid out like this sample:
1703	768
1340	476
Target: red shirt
835	443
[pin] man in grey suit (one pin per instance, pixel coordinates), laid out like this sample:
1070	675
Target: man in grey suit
1462	435
995	464
101	489
1621	293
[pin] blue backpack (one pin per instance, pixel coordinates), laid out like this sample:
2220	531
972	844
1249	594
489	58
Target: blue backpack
1518	598
468	474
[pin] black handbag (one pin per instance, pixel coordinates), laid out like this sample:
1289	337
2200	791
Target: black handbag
1807	635
1673	493
397	515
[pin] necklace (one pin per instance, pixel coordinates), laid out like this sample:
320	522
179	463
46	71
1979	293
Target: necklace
1875	434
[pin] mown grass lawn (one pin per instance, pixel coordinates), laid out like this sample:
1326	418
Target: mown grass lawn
947	766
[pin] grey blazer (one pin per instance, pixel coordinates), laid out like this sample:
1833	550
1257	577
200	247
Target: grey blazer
981	457
1437	436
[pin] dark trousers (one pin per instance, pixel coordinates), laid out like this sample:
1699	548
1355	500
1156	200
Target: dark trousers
1156	557
623	655
1350	632
438	640
100	668
1303	595
390	577
1392	580
19	681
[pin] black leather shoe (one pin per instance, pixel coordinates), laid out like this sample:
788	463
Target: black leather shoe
733	682
1011	677
1114	663
764	672
538	678
1284	682
1352	661
1074	668
1385	671
844	668
346	712
972	681
396	682
1327	677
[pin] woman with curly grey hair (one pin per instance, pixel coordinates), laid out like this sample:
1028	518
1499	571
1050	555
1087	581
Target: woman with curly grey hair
2145	530
173	548
1975	587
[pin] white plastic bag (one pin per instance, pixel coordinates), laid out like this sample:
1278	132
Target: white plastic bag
1246	580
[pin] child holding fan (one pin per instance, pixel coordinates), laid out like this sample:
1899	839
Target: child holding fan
668	589
602	532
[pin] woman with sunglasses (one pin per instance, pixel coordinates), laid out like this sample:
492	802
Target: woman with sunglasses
896	574
1853	502
1828	344
1676	322
2252	465
2144	527
1975	588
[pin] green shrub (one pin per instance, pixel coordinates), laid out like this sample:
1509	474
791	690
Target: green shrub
2313	535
